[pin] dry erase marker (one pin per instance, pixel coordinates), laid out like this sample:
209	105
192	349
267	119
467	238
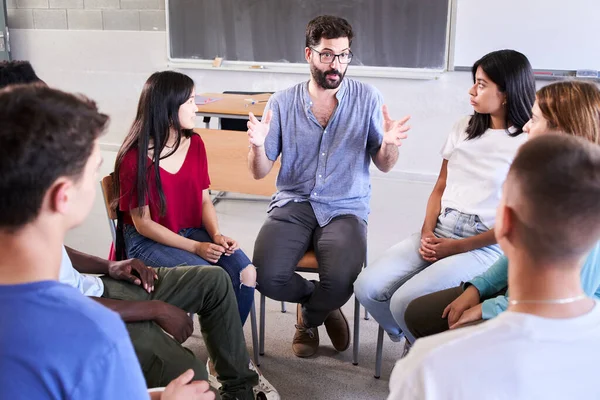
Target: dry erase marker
250	102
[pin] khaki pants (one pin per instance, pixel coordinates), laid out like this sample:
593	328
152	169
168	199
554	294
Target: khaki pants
205	291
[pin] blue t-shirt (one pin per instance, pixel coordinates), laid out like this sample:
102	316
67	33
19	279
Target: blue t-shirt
56	343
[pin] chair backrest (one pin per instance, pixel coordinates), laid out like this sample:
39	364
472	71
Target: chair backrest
108	193
235	124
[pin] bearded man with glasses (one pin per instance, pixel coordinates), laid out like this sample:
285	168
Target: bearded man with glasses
327	131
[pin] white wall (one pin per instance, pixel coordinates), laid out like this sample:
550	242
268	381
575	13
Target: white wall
108	66
111	67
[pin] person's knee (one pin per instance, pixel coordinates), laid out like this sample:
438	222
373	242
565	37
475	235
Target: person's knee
160	361
177	364
398	303
412	315
264	276
366	287
267	277
268	284
218	277
248	276
360	289
339	288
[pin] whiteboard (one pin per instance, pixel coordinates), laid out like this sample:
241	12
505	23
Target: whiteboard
553	34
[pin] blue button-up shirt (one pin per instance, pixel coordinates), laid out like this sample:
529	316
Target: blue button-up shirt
329	167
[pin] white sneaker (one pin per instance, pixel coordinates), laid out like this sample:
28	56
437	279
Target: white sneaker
212	375
264	390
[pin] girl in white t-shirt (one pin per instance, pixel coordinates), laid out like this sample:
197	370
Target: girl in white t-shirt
457	240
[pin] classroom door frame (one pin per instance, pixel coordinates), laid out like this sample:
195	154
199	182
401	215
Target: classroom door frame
4	35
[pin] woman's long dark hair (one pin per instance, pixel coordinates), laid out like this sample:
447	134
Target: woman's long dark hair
512	72
157	113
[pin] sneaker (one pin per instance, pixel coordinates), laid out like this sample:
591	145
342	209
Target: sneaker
212	375
264	390
396	338
338	330
306	340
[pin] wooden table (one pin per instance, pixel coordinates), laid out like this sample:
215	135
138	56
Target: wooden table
228	164
232	106
228	150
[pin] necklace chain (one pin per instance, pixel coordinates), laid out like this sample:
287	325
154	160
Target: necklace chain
565	300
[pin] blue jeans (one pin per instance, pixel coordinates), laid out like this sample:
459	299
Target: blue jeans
157	255
386	287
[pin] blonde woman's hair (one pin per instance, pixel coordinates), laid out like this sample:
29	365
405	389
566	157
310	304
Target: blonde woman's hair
572	107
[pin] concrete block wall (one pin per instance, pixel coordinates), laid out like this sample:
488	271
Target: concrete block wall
118	15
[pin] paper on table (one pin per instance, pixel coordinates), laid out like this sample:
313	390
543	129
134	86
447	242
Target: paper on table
200	100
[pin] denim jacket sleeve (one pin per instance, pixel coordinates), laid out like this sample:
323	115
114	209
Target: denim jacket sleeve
493	280
496	278
490	308
590	272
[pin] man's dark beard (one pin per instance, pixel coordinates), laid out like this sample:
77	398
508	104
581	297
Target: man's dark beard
321	77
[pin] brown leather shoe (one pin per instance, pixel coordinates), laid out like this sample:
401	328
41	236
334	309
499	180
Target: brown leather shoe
306	340
338	329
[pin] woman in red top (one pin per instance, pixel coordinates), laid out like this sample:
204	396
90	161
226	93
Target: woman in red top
168	218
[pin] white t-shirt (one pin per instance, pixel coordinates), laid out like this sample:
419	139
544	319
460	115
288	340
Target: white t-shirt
88	285
513	356
477	168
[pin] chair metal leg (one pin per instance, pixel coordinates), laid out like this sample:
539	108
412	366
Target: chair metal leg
356	332
283	310
366	312
220	196
254	335
379	353
261	339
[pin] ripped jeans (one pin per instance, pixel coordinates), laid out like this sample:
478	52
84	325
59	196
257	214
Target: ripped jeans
156	255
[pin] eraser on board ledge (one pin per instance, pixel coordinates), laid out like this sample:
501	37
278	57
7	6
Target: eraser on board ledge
217	62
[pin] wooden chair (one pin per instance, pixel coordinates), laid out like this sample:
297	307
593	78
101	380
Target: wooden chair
308	263
108	193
